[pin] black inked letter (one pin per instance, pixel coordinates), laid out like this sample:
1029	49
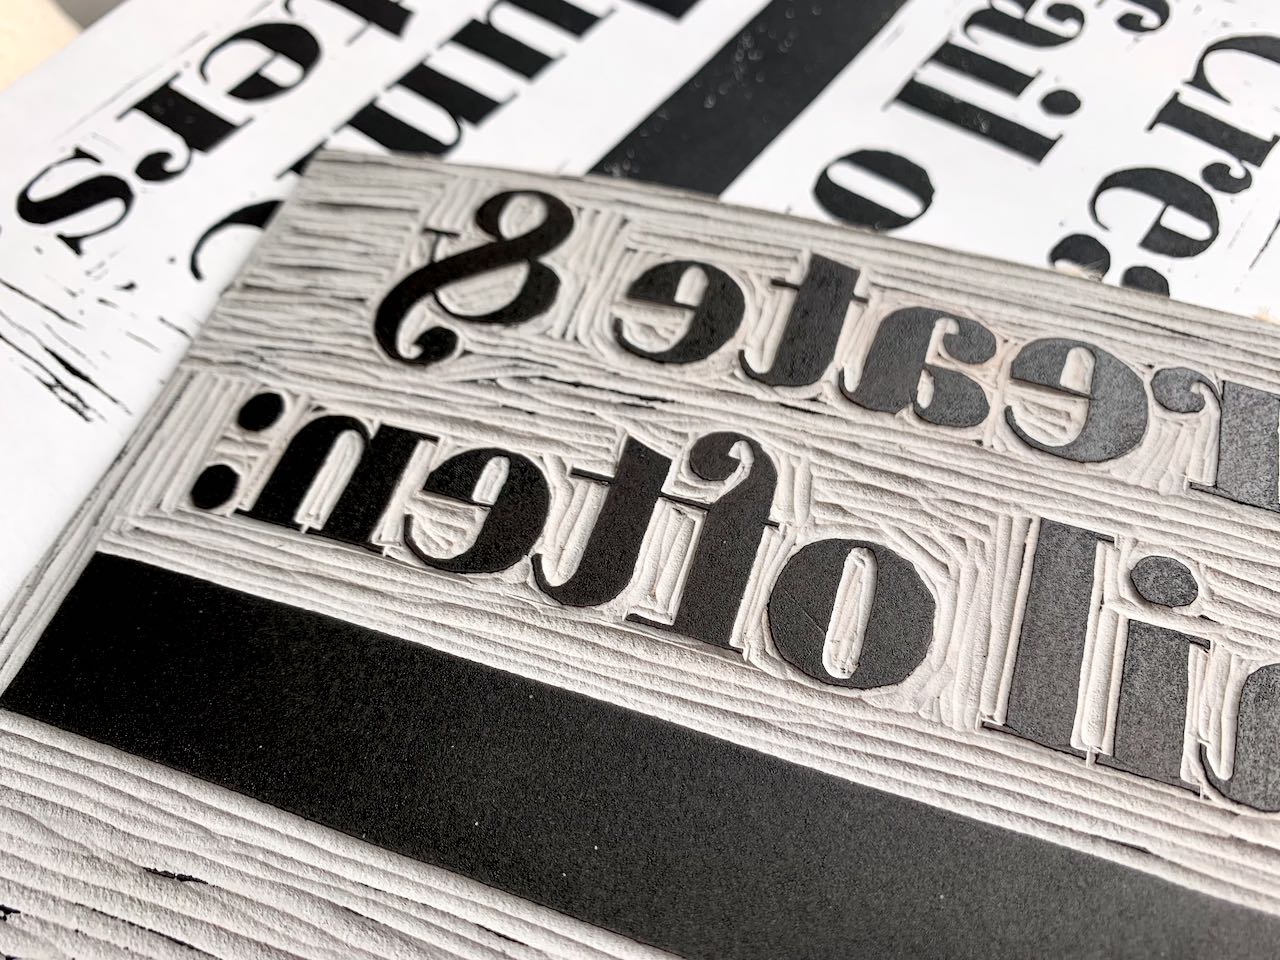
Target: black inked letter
514	520
609	559
363	501
535	296
1116	419
78	198
1152	714
1255	781
1248	448
898	630
891	374
1055	622
813	327
727	543
715	319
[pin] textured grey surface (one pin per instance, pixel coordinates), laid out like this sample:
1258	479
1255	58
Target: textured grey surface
84	827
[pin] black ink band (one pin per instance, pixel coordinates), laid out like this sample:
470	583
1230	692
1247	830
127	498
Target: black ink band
723	117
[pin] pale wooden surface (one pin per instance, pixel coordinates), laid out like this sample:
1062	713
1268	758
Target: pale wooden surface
83	823
31	31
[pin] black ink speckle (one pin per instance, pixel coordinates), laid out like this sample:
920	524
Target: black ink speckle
170	875
214	487
260	412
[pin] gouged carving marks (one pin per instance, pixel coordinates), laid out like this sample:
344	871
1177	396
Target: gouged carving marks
62	369
90	833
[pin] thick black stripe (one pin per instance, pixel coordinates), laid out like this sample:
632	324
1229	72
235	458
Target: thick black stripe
672	837
744	96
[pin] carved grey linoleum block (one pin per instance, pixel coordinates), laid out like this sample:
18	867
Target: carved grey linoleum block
521	566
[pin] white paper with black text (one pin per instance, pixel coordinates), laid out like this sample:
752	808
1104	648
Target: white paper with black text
1126	138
